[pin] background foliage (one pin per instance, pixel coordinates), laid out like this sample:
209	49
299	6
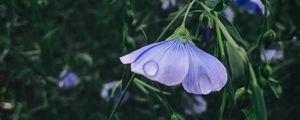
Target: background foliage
39	38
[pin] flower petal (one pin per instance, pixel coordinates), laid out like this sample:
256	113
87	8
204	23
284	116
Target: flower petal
165	5
166	63
106	88
201	105
206	73
229	14
271	54
173	2
252	6
131	57
260	5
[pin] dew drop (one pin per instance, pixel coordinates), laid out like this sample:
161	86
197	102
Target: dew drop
150	68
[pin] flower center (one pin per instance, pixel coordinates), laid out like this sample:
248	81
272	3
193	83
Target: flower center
182	34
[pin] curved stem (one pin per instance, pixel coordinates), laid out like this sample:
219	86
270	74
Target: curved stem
220	43
221	26
223	105
187	11
171	23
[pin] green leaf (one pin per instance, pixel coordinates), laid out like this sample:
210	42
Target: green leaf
51	33
235	61
85	57
233	32
141	87
257	98
143	84
3	54
211	3
275	87
164	104
249	114
115	88
219	7
176	116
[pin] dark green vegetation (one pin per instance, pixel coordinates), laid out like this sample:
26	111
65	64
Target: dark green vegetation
39	38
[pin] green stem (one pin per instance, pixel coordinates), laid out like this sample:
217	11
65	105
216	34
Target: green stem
222	50
225	32
187	11
205	7
16	115
122	96
257	97
220	43
171	23
170	109
223	104
221	26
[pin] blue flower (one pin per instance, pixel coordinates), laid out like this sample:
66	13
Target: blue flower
252	6
177	60
166	4
198	106
229	14
68	79
271	54
107	87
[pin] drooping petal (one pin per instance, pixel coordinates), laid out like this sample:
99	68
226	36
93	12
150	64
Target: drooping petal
167	63
252	6
131	57
206	73
260	5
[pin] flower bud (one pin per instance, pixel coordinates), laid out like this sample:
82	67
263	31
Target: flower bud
206	20
262	82
267	71
242	97
182	33
269	37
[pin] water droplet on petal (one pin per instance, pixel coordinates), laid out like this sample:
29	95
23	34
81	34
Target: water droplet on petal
150	68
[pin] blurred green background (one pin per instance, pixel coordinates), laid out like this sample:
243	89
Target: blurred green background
40	38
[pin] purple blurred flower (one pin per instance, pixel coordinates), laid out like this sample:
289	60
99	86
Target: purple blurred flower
195	107
229	14
107	87
68	79
166	4
271	54
252	6
206	34
177	60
